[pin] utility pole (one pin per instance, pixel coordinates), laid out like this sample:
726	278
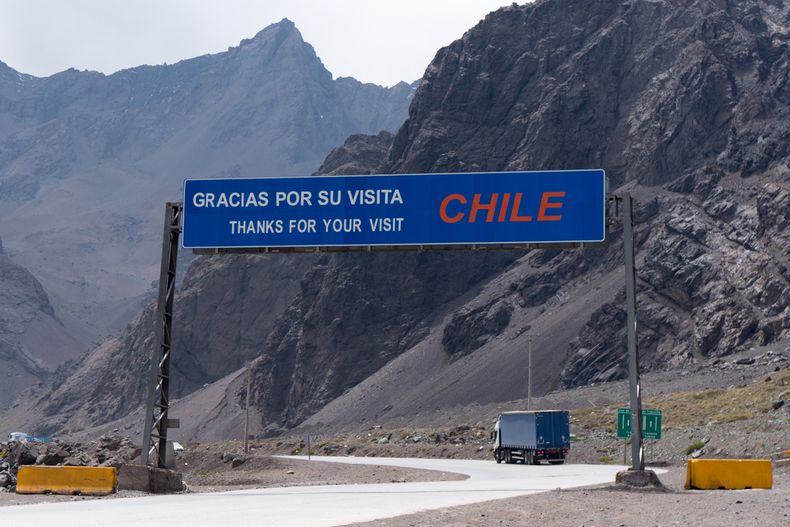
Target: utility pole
637	458
529	374
247	410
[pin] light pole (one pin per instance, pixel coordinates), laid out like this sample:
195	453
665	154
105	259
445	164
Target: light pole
529	373
633	346
247	409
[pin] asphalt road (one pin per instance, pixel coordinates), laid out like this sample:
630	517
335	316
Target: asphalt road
316	506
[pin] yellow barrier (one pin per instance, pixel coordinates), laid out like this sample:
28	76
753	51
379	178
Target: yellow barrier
729	474
96	481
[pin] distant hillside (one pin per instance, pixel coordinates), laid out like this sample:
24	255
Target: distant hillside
32	339
87	161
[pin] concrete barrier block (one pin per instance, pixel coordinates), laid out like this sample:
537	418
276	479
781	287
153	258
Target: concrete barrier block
149	479
92	481
729	474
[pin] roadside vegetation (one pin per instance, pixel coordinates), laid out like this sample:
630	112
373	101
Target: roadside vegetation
700	408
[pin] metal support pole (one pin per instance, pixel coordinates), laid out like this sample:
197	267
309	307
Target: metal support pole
247	411
529	374
637	458
156	415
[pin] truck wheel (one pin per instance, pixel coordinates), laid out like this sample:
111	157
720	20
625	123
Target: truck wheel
497	457
508	458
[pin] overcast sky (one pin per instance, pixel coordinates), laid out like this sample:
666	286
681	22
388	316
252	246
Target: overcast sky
381	41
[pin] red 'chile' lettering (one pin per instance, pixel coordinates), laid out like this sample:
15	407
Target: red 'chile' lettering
443	208
546	204
490	207
514	216
502	210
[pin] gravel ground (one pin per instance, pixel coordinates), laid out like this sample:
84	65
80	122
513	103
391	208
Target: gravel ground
605	506
11	498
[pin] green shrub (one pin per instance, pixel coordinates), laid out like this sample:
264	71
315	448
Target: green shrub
694	446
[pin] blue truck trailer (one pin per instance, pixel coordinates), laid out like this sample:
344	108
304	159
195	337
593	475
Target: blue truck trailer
530	437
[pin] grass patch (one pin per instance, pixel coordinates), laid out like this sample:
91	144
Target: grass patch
690	409
695	446
606	459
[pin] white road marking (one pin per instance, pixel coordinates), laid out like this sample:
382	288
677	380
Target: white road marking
317	506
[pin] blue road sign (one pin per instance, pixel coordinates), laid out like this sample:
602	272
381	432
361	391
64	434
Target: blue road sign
396	210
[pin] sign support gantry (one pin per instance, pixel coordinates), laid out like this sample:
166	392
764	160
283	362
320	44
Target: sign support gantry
593	206
156	420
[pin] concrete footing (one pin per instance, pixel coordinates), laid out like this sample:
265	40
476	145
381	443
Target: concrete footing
149	479
638	478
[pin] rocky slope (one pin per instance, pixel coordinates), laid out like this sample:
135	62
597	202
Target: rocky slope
87	160
685	104
206	350
672	99
32	339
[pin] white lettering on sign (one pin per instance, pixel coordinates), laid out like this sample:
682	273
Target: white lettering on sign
301	225
294	197
329	197
343	225
375	197
386	224
232	199
256	227
297	198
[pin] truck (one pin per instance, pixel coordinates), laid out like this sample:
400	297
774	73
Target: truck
22	437
531	437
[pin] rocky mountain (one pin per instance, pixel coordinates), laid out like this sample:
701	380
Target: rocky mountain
269	282
685	104
32	339
87	160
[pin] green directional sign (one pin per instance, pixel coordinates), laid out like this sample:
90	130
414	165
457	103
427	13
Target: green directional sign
651	423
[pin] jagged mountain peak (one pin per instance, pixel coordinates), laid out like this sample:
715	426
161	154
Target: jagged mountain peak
280	37
87	160
588	83
286	26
